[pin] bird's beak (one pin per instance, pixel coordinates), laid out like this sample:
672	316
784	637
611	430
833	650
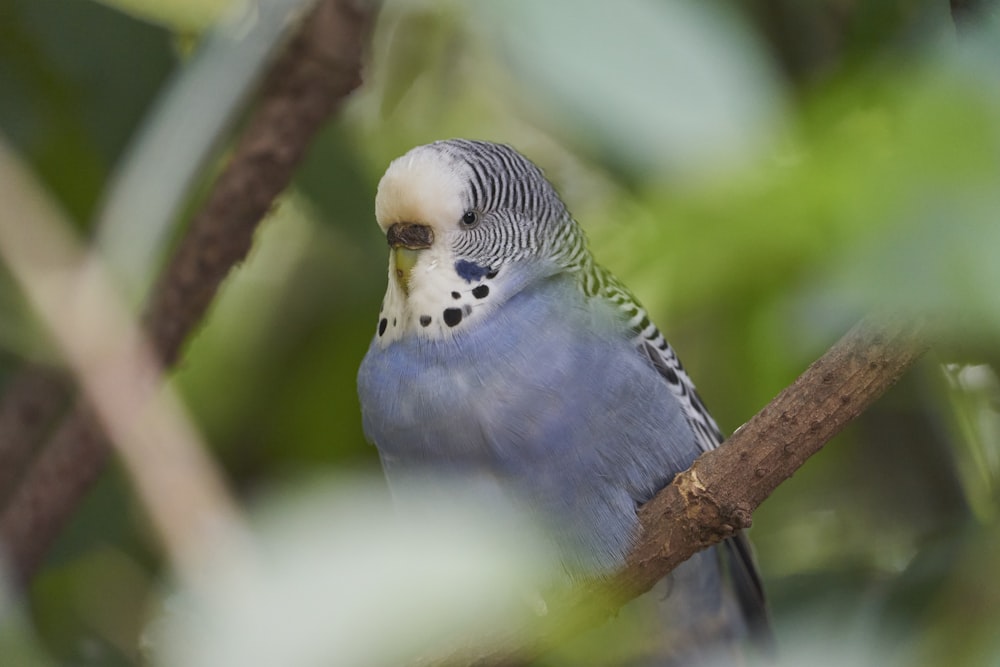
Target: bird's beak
407	239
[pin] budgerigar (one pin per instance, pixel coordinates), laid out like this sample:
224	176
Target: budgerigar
505	355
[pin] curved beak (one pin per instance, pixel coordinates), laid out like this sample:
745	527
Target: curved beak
407	239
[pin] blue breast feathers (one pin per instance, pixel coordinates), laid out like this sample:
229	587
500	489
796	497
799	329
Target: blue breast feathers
548	397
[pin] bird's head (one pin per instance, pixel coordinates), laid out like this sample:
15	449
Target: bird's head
469	224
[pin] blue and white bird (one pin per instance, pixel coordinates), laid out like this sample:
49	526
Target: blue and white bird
504	355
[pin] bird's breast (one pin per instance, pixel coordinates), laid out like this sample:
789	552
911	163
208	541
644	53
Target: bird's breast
549	396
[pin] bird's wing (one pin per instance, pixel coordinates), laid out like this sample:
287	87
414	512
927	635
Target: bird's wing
649	341
666	362
736	552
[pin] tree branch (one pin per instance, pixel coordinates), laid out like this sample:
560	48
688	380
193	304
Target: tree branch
716	496
32	401
319	69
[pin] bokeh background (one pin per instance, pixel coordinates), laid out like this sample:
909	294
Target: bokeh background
760	172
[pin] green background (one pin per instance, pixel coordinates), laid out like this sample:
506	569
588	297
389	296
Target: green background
829	159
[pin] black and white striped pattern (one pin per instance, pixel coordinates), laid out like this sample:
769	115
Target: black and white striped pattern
522	215
598	281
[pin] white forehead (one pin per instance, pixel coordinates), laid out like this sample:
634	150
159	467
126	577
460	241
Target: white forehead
424	186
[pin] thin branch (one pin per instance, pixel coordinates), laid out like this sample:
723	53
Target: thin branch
717	496
74	299
320	68
33	400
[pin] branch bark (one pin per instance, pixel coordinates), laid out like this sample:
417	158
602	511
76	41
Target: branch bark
31	404
319	69
717	495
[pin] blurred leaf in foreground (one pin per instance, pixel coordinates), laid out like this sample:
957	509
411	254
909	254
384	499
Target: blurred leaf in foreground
340	577
680	87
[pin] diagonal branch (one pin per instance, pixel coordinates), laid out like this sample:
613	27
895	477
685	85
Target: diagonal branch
319	69
717	496
32	401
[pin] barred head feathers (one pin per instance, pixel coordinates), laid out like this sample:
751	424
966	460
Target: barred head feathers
491	211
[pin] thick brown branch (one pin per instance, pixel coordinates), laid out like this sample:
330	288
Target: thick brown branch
718	494
320	68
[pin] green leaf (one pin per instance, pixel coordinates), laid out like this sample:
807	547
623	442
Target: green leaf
178	15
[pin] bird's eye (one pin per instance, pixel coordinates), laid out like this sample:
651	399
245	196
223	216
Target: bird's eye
470	219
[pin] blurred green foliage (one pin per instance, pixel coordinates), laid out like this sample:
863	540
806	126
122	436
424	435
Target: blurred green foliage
864	178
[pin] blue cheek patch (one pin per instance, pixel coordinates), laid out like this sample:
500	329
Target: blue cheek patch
470	271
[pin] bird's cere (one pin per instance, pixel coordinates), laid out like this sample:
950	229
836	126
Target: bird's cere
410	236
